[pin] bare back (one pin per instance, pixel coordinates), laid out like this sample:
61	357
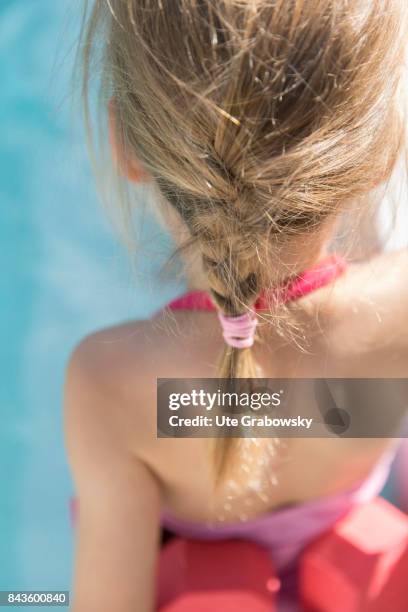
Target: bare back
358	329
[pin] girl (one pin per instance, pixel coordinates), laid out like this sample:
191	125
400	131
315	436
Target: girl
258	124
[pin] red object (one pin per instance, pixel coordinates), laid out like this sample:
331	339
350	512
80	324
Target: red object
319	275
223	576
360	565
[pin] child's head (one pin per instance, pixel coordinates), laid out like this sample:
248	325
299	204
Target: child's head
258	121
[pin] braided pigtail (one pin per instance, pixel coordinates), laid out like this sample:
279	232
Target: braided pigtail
235	361
230	236
234	275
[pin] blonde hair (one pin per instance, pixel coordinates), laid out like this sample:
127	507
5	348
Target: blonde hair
257	119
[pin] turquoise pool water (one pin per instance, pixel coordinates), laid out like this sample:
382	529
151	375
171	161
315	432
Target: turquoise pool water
62	276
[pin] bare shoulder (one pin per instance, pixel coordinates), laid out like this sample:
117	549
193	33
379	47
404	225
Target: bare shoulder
111	377
142	351
105	356
371	311
108	372
382	285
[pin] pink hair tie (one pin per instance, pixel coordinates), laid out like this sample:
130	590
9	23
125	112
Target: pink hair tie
239	331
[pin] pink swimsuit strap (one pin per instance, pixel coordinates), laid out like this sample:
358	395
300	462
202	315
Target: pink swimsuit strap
319	275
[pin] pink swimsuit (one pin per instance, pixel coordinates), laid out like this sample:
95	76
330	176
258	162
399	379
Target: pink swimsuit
286	532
